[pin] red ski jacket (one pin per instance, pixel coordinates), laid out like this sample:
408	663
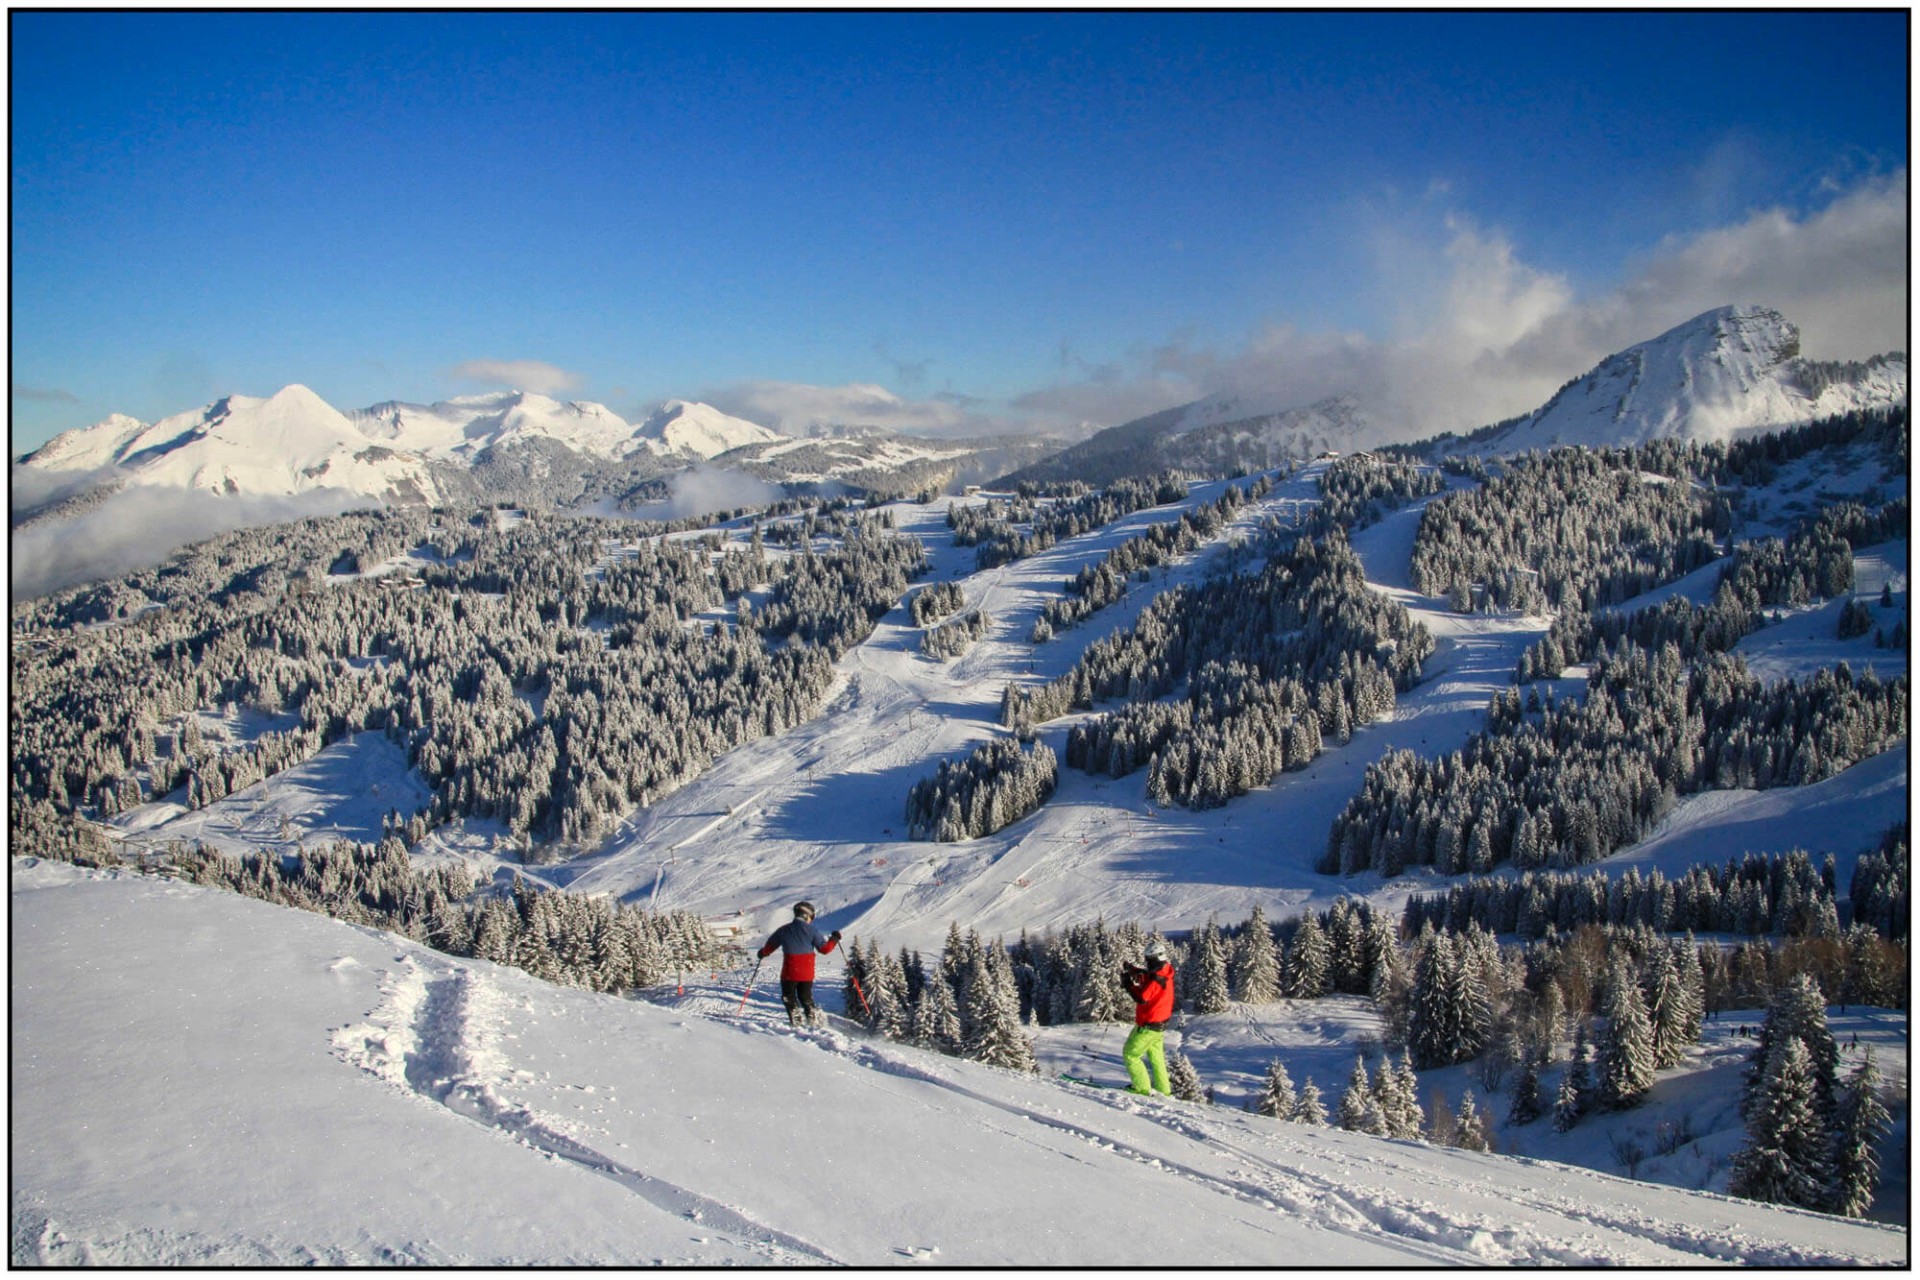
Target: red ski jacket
1152	991
798	939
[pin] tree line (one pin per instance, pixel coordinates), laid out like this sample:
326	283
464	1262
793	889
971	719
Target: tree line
1360	488
1573	782
1273	663
994	528
995	785
1099	585
932	603
1306	611
1758	894
1581	528
1815	562
594	943
955	636
1572	528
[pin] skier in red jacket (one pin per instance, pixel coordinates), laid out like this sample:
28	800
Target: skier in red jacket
798	940
1152	992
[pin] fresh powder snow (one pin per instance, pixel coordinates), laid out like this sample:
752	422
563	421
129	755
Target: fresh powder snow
201	1079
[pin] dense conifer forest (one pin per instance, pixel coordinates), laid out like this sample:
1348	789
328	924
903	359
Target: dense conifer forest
548	672
1560	785
1584	528
999	783
1273	663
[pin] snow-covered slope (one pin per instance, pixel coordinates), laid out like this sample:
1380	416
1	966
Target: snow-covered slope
1212	436
87	448
291	442
252	1085
684	427
1731	370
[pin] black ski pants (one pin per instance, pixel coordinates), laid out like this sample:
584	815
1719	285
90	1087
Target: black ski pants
793	992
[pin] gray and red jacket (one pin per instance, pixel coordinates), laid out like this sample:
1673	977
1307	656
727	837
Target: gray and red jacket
799	940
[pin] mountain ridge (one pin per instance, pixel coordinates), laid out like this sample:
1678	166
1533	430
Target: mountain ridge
1725	372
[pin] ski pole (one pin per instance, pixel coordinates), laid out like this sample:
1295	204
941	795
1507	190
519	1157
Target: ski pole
749	990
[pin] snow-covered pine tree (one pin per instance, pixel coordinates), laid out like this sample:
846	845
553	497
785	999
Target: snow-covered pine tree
1209	964
1256	962
854	979
1469	1126
1304	973
497	932
1310	1109
1277	1097
1358	1112
1346	949
1785	1160
1797	1011
1390	988
993	1016
1407	1089
1624	1061
955	959
1566	1104
1693	987
1449	1015
1860	1125
1394	1105
936	1020
1667	1008
1183	1079
1525	1108
886	987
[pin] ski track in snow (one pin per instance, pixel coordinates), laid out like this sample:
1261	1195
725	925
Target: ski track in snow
1380	1202
1274	1189
438	1038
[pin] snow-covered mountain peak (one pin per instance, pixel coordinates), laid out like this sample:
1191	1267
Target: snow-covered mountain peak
86	448
460	428
689	427
287	443
1726	371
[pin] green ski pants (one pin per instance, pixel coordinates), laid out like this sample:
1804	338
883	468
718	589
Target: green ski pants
1148	1043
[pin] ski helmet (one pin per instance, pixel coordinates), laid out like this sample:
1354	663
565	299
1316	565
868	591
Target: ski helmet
1156	950
804	910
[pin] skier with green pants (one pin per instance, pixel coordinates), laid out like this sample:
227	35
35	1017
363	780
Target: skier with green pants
1152	992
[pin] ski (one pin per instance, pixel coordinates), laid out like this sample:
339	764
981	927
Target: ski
1092	1084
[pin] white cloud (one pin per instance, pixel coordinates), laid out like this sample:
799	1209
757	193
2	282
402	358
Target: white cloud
136	528
43	395
1481	335
795	408
524	375
699	490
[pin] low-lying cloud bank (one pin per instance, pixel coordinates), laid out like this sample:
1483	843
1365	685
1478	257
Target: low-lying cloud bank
798	408
699	490
135	528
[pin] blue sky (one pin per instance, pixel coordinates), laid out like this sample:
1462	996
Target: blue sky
946	222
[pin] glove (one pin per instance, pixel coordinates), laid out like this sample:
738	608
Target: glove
834	936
